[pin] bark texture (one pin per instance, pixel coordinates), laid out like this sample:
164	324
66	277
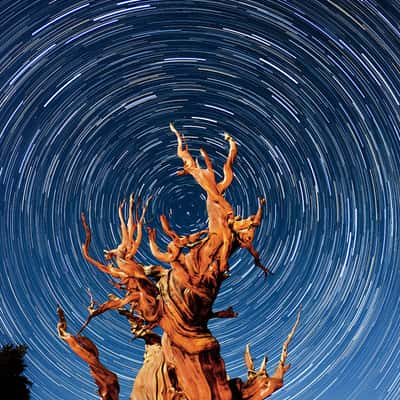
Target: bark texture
185	363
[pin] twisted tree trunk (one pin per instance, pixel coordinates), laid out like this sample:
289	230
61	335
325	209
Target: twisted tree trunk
185	363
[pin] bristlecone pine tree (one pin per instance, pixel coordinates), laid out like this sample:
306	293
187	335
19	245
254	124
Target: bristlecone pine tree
185	362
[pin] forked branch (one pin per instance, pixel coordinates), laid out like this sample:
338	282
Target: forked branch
259	384
175	246
205	177
129	245
140	291
244	230
114	303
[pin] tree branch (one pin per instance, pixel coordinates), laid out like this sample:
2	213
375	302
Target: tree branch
106	381
259	384
228	166
108	269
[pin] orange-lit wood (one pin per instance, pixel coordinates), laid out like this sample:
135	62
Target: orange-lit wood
185	363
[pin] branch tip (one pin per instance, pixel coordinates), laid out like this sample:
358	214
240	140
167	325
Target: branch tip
248	359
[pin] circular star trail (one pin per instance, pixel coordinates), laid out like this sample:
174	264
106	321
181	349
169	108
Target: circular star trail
311	93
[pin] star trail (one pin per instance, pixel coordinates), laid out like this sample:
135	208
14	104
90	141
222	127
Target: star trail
311	93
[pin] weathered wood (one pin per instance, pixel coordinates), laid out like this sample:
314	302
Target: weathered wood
106	381
185	363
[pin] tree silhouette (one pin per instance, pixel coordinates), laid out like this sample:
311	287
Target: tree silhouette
12	367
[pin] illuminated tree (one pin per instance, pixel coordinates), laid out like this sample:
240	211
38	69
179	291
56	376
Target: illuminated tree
185	362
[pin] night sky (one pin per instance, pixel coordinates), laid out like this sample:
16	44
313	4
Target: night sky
310	91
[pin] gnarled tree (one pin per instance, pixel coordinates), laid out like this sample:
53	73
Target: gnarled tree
185	363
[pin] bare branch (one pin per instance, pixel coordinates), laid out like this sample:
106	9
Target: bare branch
257	261
108	269
249	361
228	313
183	154
114	303
257	217
83	347
282	368
131	223
208	162
124	229
244	230
167	228
228	166
134	246
129	246
204	177
155	250
259	385
263	366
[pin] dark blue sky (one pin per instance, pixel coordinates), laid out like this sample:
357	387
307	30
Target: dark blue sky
311	93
